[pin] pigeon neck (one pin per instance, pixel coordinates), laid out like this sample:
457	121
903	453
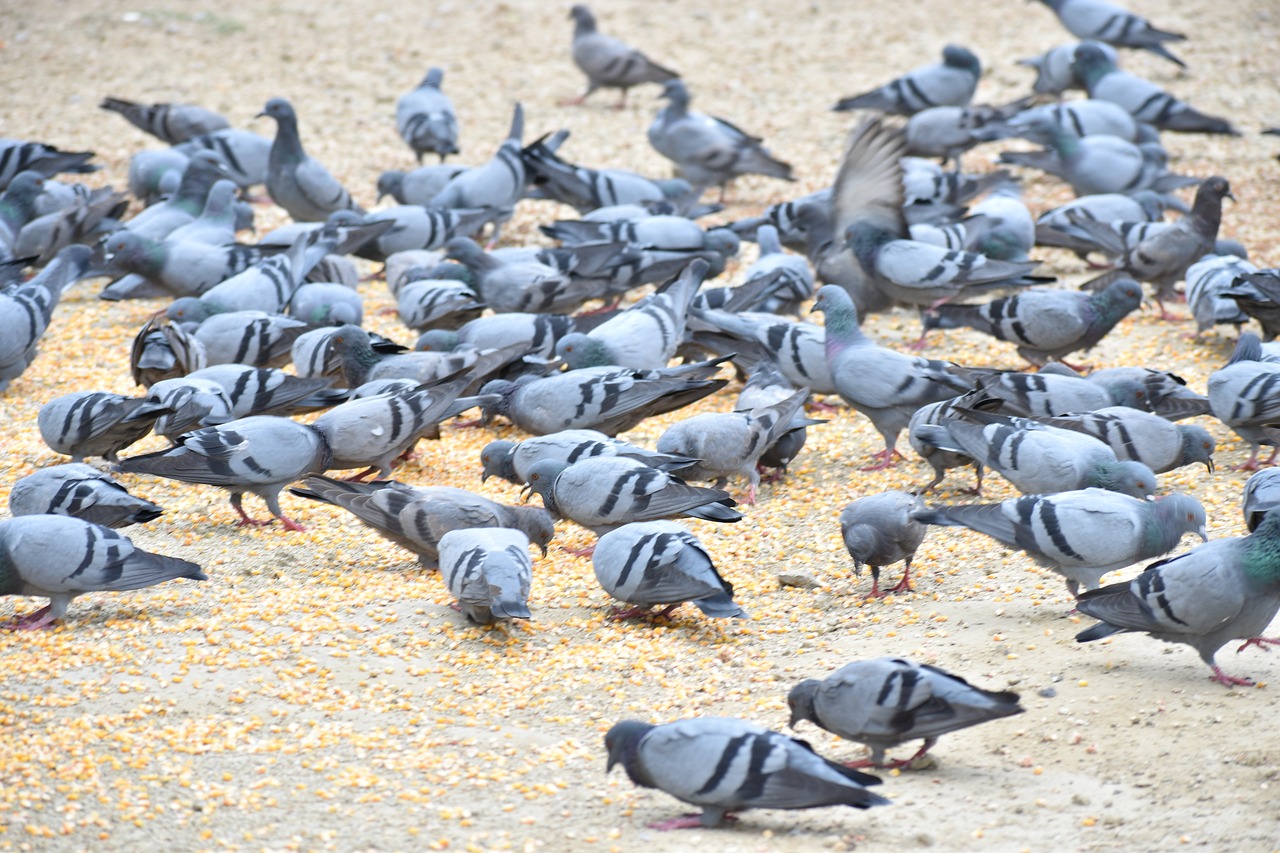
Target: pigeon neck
841	329
1206	214
1165	534
1262	552
583	25
357	364
287	146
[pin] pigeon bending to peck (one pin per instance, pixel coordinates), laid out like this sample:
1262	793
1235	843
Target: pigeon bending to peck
726	765
883	702
947	83
1261	496
1082	534
61	557
81	491
297	182
96	423
659	563
709	151
879	530
260	455
1102	21
1144	437
511	461
1242	396
1044	325
489	572
608	62
1224	590
426	120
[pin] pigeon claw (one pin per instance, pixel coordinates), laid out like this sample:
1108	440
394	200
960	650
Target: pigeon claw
1229	680
1264	643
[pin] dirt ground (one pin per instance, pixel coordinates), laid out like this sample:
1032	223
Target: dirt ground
318	693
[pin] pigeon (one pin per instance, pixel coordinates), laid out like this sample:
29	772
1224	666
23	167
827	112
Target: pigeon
60	557
326	303
766	386
643	337
947	83
1053	68
1048	393
169	122
173	268
1106	22
1058	227
522	284
27	309
1161	252
1144	388
296	182
796	281
589	190
1085	117
269	391
1081	534
511	460
1044	325
193	402
17	156
708	151
216	224
1146	101
538	334
879	530
1144	437
608	399
884	385
96	423
437	304
82	220
245	155
730	443
418	186
1037	458
798	349
726	765
374	431
934	414
260	454
1224	590
425	118
204	169
1261	495
608	62
253	338
1243	396
361	361
162	350
415	518
606	492
659	563
947	132
883	702
80	491
489	572
1258	295
497	184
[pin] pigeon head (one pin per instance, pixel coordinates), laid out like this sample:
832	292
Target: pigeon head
542	478
1206	210
584	21
537	524
621	742
1091	64
579	350
437	340
1197	445
865	241
435	76
800	700
280	110
24	188
1128	478
723	241
1181	514
676	92
503	389
495	460
464	250
188	309
390	183
955	56
1118	299
128	252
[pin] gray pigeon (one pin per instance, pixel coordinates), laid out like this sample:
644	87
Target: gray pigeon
590	190
245	155
193	402
1144	437
883	702
1144	100
296	182
254	338
81	491
1213	295
608	399
425	118
1106	22
1081	534
96	423
1085	117
260	455
489	572
27	309
497	184
60	557
798	349
1037	458
766	386
162	350
361	361
1054	75
172	268
1058	227
374	431
660	563
606	492
709	151
730	443
1161	252
415	518
947	83
269	391
169	122
1261	495
608	62
1049	393
934	414
511	460
521	284
537	333
1044	324
1243	396
725	765
884	385
17	156
879	530
1258	295
216	224
1157	391
645	336
327	303
418	186
432	303
1228	589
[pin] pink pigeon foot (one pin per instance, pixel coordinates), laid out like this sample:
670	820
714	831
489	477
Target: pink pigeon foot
1229	680
687	821
32	621
1263	643
290	524
582	552
887	459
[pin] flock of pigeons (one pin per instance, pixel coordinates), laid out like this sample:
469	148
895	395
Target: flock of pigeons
497	335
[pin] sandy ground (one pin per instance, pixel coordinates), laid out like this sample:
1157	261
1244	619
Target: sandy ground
317	692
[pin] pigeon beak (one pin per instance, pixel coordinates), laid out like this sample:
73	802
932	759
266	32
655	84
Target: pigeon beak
612	763
1229	195
525	493
1203	534
544	548
1208	463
